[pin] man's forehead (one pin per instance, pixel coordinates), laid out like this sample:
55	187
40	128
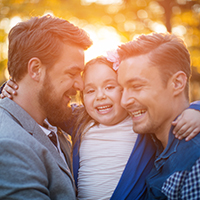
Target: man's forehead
134	69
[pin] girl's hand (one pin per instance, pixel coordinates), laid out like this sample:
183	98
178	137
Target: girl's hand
187	125
9	90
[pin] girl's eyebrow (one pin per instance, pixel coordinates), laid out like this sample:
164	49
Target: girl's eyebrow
109	80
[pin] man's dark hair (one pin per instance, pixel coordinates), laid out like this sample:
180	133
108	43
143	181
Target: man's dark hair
41	37
168	52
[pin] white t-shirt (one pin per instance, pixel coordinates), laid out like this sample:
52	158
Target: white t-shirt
104	152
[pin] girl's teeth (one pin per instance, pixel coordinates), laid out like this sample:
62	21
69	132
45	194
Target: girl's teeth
103	108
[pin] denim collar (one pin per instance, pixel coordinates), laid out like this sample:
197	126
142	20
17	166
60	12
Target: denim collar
163	154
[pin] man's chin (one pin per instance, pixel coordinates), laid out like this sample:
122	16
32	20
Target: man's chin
139	130
68	111
60	116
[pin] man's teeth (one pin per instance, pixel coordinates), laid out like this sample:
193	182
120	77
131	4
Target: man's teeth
138	113
103	108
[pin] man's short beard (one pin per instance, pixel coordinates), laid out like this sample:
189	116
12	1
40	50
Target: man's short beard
53	108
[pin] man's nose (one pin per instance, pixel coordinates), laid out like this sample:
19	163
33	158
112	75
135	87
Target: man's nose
126	99
78	84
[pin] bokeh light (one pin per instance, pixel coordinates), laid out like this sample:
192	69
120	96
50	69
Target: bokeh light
84	2
104	39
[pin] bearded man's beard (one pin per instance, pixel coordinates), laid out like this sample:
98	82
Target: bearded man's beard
54	108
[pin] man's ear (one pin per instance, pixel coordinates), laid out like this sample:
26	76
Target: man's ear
179	81
34	68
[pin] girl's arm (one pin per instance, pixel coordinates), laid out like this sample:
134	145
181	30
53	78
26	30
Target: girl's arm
8	89
187	125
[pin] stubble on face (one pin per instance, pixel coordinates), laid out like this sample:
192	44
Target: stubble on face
144	96
54	108
149	127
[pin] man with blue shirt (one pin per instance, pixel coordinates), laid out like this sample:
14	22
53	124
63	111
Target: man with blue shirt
154	73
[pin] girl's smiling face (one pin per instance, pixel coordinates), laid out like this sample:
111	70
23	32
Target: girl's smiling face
102	95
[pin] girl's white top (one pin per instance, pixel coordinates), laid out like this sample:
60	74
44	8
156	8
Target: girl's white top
104	152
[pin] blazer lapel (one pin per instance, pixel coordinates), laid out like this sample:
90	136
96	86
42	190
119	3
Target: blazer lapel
65	144
30	125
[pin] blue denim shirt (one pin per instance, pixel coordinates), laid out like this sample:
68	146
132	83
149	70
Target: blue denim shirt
177	158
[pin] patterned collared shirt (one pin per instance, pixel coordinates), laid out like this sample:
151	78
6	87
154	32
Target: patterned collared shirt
188	181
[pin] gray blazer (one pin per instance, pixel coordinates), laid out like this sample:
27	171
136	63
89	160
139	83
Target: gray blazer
30	166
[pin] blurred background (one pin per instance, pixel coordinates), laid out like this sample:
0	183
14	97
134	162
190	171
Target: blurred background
111	23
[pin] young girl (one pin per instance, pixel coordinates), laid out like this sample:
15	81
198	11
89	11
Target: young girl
107	138
110	161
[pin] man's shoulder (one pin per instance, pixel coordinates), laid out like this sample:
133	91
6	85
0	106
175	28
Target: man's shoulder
181	154
193	143
11	110
8	123
186	153
11	130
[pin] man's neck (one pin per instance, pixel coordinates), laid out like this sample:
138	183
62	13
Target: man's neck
27	99
162	133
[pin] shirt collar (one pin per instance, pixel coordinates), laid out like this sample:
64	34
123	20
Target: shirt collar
47	130
161	153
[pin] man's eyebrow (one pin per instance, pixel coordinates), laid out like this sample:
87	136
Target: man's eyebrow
74	68
136	79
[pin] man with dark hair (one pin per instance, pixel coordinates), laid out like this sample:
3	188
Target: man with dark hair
154	73
45	59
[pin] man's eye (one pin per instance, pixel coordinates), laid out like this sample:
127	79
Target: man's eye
73	74
137	86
